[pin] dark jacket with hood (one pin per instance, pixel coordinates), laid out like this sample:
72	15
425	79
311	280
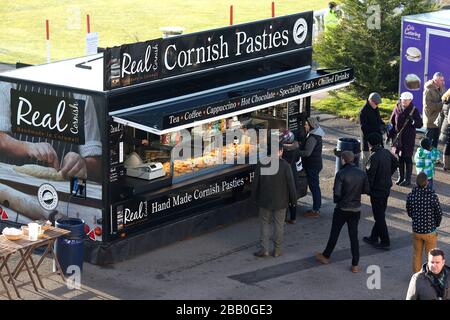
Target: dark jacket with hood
370	121
380	168
311	150
424	285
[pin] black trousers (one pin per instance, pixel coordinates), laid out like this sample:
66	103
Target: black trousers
433	135
405	164
380	230
339	219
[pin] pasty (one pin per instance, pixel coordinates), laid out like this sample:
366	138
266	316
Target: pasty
40	172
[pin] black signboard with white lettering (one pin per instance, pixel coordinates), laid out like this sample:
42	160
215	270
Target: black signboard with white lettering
116	152
161	58
139	210
131	64
293	116
259	98
236	43
47	116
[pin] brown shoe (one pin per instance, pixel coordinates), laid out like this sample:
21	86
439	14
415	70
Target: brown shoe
261	254
322	259
312	214
291	221
355	269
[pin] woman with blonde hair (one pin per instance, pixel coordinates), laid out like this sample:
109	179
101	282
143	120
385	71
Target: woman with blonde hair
445	129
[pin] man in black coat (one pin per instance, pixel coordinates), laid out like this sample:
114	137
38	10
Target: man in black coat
273	194
350	182
370	121
380	167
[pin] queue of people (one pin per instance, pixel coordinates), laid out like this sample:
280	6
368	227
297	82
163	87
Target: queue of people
374	179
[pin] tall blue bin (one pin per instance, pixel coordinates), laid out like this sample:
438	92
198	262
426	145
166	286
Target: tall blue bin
348	144
70	248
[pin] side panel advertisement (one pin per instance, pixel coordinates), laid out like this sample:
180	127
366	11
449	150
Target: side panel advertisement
424	52
50	157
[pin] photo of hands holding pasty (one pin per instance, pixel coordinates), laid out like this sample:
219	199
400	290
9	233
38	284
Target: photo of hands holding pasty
47	158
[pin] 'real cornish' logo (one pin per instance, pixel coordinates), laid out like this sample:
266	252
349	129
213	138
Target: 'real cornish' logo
47	116
131	215
48	197
300	31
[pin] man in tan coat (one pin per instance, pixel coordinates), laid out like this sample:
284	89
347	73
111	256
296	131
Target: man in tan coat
432	106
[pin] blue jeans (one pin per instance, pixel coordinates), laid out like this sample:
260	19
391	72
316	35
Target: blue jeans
433	135
314	186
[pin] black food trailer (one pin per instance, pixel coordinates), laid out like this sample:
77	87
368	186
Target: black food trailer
136	141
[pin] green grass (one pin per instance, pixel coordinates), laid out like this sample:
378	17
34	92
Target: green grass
22	37
345	104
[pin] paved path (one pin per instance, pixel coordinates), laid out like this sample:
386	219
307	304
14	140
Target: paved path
220	264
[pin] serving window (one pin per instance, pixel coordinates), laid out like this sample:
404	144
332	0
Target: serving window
153	161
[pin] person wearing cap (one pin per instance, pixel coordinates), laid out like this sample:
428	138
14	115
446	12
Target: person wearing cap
331	18
425	158
432	105
370	121
311	154
381	165
291	154
405	118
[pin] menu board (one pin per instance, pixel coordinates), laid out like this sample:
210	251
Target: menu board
294	116
116	152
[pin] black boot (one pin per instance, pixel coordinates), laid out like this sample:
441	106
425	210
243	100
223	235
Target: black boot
407	181
401	174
